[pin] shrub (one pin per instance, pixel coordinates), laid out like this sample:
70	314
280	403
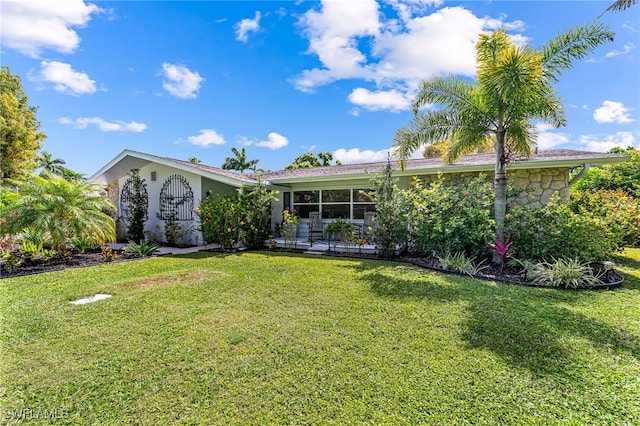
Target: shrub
459	262
619	211
135	211
82	245
143	249
555	231
391	213
449	217
222	219
257	214
565	273
625	176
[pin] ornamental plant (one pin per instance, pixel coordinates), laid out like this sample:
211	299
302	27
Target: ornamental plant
451	217
256	205
391	230
222	218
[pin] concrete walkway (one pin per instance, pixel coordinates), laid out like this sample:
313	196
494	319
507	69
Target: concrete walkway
163	250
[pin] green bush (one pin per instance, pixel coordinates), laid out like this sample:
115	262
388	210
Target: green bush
143	249
625	176
619	211
390	230
555	231
256	204
222	218
451	217
565	273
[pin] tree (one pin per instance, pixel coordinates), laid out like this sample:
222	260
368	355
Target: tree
239	162
309	159
20	138
50	165
63	209
256	206
195	160
514	85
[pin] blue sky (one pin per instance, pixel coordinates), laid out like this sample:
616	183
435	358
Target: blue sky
194	79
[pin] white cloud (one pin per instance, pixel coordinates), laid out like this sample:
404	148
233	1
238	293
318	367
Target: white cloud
246	26
205	138
612	112
627	48
380	100
31	26
355	40
180	81
274	141
65	79
103	125
605	143
549	140
355	155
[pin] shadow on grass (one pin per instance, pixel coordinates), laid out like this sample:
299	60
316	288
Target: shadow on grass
527	327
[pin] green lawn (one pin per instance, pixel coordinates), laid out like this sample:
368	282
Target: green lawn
260	338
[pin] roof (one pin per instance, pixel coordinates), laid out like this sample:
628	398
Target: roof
127	160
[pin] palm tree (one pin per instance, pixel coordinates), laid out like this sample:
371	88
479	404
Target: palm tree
63	209
50	165
239	162
620	5
514	85
195	160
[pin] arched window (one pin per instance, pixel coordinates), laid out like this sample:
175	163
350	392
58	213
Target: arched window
176	199
134	195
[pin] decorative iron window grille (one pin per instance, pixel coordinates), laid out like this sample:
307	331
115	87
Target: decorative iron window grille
129	198
176	199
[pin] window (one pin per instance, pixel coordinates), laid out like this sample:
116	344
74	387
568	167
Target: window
333	203
305	202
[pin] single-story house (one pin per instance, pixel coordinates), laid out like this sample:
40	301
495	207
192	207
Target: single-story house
334	191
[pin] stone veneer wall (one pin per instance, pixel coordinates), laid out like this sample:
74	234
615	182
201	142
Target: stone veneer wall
113	194
538	184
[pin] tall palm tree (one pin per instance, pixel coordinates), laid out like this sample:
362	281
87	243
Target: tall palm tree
239	162
514	85
63	209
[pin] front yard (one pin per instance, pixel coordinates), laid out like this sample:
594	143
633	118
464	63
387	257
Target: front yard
263	338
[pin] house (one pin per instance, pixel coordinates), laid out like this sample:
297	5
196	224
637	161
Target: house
334	191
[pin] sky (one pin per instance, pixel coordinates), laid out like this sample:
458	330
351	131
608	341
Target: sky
281	78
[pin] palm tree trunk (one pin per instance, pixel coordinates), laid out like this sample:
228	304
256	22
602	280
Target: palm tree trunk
500	191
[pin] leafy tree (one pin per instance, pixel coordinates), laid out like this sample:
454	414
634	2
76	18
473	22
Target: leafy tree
390	229
20	138
55	166
514	85
64	209
309	159
239	162
195	160
625	176
135	211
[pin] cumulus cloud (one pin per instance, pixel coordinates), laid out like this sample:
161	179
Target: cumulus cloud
180	81
612	112
548	139
401	52
103	125
274	141
355	155
246	26
205	138
65	79
31	26
392	100
627	48
606	142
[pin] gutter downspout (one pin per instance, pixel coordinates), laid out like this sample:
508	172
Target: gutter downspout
583	172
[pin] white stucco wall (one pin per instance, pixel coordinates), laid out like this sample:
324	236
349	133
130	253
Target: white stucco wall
155	225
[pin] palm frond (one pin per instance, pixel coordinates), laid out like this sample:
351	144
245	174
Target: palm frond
620	5
560	52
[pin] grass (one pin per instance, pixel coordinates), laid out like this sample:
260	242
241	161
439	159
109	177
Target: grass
259	338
